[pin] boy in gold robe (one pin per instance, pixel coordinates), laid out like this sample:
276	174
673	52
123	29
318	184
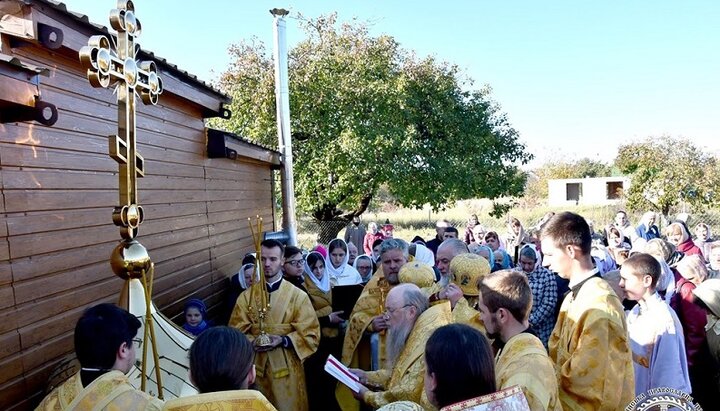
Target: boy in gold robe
291	326
410	323
589	345
104	346
521	359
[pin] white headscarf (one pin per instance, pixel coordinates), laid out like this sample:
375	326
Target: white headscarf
355	263
324	283
344	274
424	255
241	275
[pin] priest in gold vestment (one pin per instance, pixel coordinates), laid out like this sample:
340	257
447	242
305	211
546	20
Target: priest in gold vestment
589	345
521	359
222	388
106	352
410	323
291	325
367	321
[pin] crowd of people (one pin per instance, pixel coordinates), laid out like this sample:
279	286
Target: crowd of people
558	316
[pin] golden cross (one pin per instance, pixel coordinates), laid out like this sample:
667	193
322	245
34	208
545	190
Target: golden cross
106	67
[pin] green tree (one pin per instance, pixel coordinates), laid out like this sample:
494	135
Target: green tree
366	113
667	170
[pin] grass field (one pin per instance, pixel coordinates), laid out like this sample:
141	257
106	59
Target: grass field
411	222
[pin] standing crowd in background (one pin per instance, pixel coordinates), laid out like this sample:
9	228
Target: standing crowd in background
556	316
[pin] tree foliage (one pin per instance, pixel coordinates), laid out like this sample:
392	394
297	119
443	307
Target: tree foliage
665	171
365	112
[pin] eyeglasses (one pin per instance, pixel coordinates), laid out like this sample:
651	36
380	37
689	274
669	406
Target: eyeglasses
296	263
137	342
389	311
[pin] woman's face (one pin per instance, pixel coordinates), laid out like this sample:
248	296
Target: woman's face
702	233
319	269
249	277
493	243
516	228
674	238
715	258
614	240
376	252
364	266
337	255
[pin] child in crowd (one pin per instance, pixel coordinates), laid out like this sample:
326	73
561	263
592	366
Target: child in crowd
195	314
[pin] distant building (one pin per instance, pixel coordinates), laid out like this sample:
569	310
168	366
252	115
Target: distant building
587	191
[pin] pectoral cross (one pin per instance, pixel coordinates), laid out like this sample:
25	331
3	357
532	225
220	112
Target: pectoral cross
106	67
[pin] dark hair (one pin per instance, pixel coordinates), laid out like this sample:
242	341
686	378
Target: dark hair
291	250
508	289
100	332
220	359
567	229
270	243
249	259
491	234
451	230
337	243
462	361
418	239
313	258
377	243
644	264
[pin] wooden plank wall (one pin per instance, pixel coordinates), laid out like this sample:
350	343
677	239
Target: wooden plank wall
58	189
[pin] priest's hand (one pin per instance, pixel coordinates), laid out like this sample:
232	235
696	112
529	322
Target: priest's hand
275	341
453	293
378	324
335	318
360	395
362	377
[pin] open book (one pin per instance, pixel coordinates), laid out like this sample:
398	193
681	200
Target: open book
342	373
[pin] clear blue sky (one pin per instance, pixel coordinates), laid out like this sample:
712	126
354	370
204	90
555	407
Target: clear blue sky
576	78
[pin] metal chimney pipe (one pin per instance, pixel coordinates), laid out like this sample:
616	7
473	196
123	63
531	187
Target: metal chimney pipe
282	104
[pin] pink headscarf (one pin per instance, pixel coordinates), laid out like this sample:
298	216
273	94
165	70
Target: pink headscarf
321	249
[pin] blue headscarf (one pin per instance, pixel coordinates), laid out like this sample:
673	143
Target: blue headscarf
491	258
506	261
200	305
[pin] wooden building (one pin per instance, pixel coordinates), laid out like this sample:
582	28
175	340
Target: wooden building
58	187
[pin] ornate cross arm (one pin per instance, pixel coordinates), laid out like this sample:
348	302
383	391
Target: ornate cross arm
107	67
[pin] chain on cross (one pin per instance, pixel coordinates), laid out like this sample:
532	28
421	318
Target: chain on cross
106	67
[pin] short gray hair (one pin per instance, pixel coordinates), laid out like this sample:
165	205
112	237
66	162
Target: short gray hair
394	244
416	298
457	246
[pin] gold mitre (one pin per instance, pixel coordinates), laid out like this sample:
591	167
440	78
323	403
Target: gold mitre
417	273
466	269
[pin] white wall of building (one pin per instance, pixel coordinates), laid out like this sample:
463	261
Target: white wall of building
592	191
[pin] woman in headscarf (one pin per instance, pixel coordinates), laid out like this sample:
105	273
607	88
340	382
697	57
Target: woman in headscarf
703	238
336	265
502	260
239	283
423	254
647	228
365	266
707	296
679	236
320	293
617	244
693	318
469	235
486	252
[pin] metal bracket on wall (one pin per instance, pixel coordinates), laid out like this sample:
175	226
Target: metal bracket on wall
223	113
44	113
